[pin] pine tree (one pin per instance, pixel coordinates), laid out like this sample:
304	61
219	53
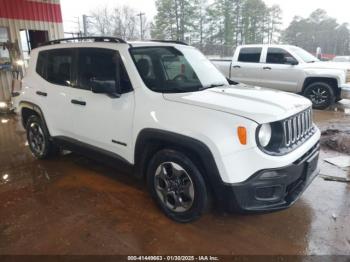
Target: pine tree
174	19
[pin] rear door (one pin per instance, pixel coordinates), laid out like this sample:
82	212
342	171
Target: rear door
279	73
246	66
56	70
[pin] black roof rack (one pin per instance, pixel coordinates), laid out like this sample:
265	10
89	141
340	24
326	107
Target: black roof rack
170	41
81	39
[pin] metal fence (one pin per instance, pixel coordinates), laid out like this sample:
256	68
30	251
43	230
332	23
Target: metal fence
215	50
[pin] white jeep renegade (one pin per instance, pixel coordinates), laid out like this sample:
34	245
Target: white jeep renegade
163	108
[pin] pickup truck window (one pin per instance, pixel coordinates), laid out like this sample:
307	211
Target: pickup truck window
250	54
169	70
277	56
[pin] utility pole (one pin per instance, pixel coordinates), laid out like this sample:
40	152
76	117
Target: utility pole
85	24
141	25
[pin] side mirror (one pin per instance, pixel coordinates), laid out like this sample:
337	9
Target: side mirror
107	87
290	61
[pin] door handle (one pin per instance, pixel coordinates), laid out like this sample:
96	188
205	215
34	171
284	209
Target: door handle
77	102
41	93
267	68
236	66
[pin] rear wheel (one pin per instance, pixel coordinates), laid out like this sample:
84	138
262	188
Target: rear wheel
177	185
321	95
39	139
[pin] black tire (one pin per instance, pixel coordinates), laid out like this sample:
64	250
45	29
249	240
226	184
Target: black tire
321	95
39	140
189	206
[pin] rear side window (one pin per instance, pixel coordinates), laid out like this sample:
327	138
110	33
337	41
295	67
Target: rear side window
99	66
40	64
250	55
277	56
56	66
60	66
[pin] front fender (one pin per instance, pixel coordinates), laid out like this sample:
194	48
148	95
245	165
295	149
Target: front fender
336	74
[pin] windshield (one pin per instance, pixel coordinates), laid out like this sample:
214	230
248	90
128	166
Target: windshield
169	70
304	55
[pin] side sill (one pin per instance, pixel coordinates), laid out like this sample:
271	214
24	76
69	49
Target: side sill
91	151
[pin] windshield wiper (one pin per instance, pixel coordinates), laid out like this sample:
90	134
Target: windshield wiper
211	86
313	61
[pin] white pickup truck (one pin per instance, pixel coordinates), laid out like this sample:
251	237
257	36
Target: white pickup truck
289	68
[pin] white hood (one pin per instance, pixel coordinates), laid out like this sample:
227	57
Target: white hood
258	104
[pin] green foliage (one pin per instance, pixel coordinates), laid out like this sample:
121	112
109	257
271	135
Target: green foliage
318	30
228	22
174	19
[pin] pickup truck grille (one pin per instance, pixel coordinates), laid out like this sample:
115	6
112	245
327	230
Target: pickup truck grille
298	128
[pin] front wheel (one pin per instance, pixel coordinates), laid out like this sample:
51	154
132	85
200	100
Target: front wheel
177	185
321	95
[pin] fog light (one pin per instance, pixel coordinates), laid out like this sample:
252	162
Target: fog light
269	175
271	193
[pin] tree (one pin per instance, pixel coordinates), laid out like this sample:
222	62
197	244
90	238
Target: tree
174	19
274	21
318	30
226	22
254	15
223	23
101	23
119	21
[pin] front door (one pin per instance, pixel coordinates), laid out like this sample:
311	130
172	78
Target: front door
101	120
279	72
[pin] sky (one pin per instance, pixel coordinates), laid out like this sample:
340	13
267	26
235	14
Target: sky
71	9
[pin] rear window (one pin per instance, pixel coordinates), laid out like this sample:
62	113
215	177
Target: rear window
250	55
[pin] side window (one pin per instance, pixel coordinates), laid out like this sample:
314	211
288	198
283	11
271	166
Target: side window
250	55
59	66
41	65
277	56
98	67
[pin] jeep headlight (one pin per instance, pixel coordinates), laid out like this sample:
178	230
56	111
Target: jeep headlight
264	135
348	76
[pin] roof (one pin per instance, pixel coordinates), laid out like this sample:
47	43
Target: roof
263	45
107	39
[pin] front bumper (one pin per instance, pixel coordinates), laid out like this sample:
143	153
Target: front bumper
345	91
273	189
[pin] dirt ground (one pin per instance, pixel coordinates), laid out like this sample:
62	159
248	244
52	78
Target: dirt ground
74	205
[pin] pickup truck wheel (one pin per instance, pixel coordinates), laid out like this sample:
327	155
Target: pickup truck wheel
321	95
177	185
39	139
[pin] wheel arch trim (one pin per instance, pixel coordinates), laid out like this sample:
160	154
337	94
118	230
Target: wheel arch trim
35	108
151	136
314	79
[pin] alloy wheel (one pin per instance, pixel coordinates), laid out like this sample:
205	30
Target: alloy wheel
36	138
174	187
318	95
